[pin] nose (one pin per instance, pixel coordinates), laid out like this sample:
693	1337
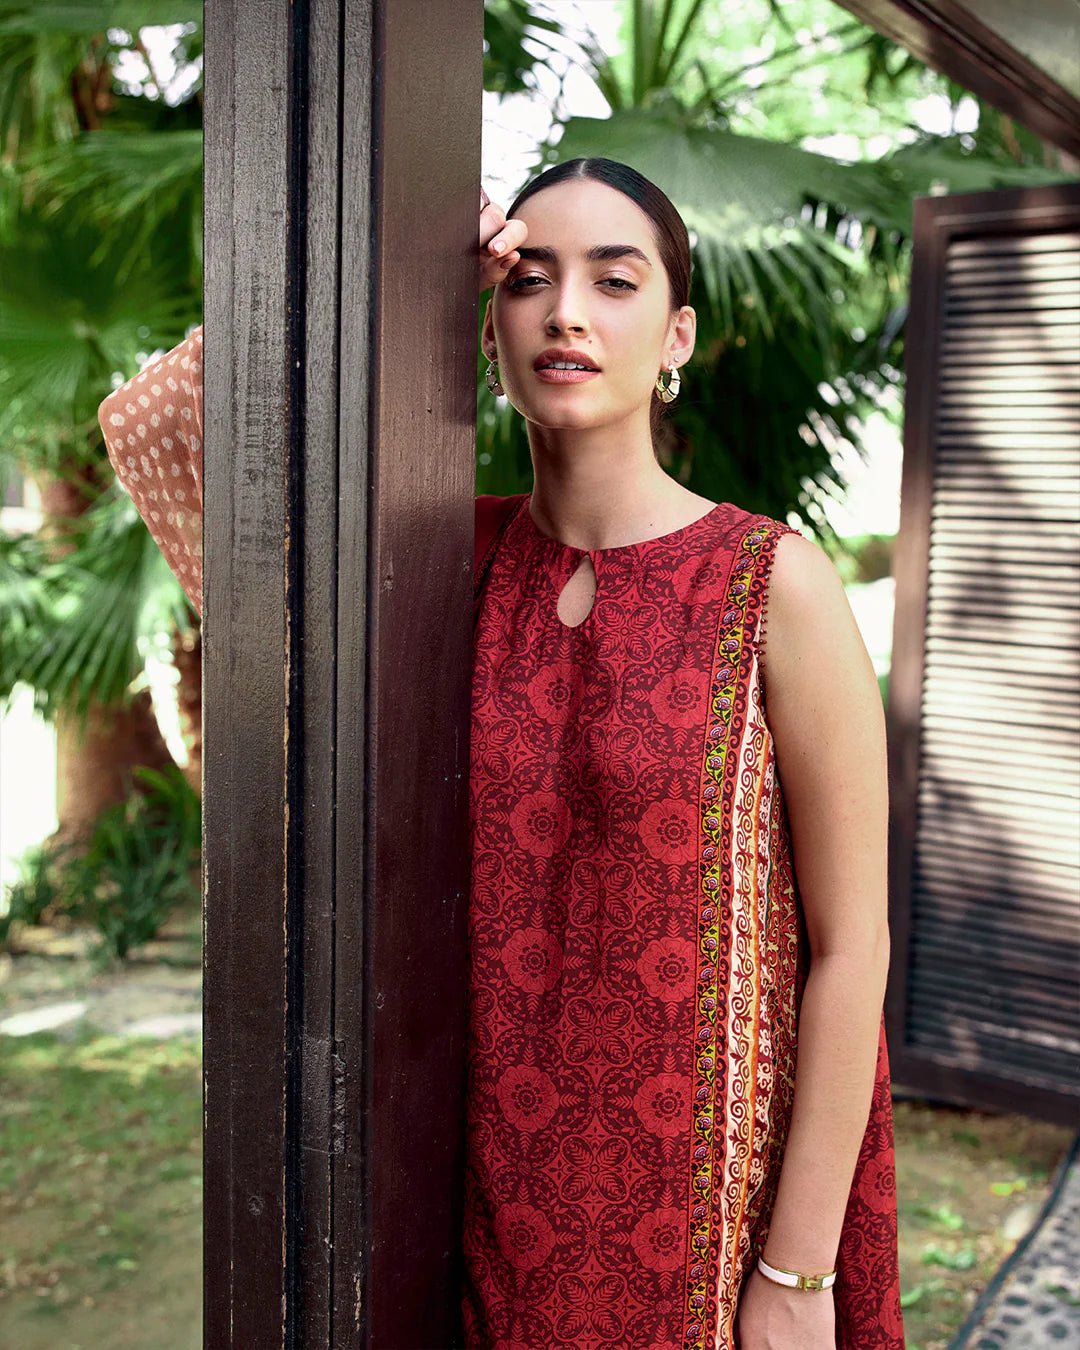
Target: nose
567	313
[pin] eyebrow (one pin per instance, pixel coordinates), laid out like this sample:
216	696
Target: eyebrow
597	253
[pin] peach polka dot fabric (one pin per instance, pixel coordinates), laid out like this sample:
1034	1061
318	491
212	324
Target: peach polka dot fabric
153	435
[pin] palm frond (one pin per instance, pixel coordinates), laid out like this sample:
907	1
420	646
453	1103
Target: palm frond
668	50
123	186
122	173
508	63
84	18
66	325
950	164
35	68
77	629
42	46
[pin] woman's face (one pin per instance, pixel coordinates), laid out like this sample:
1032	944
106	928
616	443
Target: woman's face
615	309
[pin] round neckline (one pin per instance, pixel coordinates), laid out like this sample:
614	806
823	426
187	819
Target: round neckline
672	537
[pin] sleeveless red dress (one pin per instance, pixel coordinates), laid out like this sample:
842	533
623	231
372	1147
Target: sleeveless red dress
637	949
637	954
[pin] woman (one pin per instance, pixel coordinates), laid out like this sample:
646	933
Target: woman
652	917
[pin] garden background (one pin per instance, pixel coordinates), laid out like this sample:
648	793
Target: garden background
792	138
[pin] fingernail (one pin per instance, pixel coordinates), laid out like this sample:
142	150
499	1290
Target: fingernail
498	246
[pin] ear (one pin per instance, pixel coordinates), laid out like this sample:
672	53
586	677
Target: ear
683	333
487	335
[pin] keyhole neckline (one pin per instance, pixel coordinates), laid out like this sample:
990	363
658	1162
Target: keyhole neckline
673	537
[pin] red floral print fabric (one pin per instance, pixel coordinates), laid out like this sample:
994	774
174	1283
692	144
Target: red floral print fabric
637	957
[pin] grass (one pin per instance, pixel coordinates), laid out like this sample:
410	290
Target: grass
100	1192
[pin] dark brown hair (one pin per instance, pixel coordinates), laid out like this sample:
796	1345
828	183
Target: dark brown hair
669	230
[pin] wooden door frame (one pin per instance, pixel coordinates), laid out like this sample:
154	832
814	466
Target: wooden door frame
342	166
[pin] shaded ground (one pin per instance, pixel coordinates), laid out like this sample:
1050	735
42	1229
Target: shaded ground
101	1158
100	1193
970	1185
101	1151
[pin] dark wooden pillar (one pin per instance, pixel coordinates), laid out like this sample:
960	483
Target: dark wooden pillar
342	167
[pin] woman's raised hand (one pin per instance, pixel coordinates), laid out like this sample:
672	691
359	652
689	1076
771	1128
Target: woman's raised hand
499	240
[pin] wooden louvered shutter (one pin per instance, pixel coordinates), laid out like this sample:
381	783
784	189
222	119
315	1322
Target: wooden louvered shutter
984	697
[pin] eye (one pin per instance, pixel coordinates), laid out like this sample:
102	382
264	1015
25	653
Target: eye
519	283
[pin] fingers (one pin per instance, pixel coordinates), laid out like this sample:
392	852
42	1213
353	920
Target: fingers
494	269
508	237
499	241
492	219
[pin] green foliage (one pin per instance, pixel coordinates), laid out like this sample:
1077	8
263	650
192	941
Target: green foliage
131	188
100	215
78	629
922	1292
22	606
1009	1187
46	48
655	56
509	66
86	18
963	1257
67	323
940	1216
36	889
137	867
101	255
134	870
863	558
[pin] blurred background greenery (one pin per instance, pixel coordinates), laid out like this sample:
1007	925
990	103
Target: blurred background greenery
790	136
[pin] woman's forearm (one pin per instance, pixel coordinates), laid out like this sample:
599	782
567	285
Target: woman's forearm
152	429
839	1023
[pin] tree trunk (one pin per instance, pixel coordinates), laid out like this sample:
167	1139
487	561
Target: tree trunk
95	771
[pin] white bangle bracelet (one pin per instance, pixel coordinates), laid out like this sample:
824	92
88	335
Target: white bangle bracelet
794	1279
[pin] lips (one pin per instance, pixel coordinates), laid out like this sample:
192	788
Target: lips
560	375
564	354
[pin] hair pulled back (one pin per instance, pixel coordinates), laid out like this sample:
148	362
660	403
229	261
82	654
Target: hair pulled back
669	229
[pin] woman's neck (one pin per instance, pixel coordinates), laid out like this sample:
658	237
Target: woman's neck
591	509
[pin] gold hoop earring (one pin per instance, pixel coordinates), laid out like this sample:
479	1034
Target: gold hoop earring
493	379
669	392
